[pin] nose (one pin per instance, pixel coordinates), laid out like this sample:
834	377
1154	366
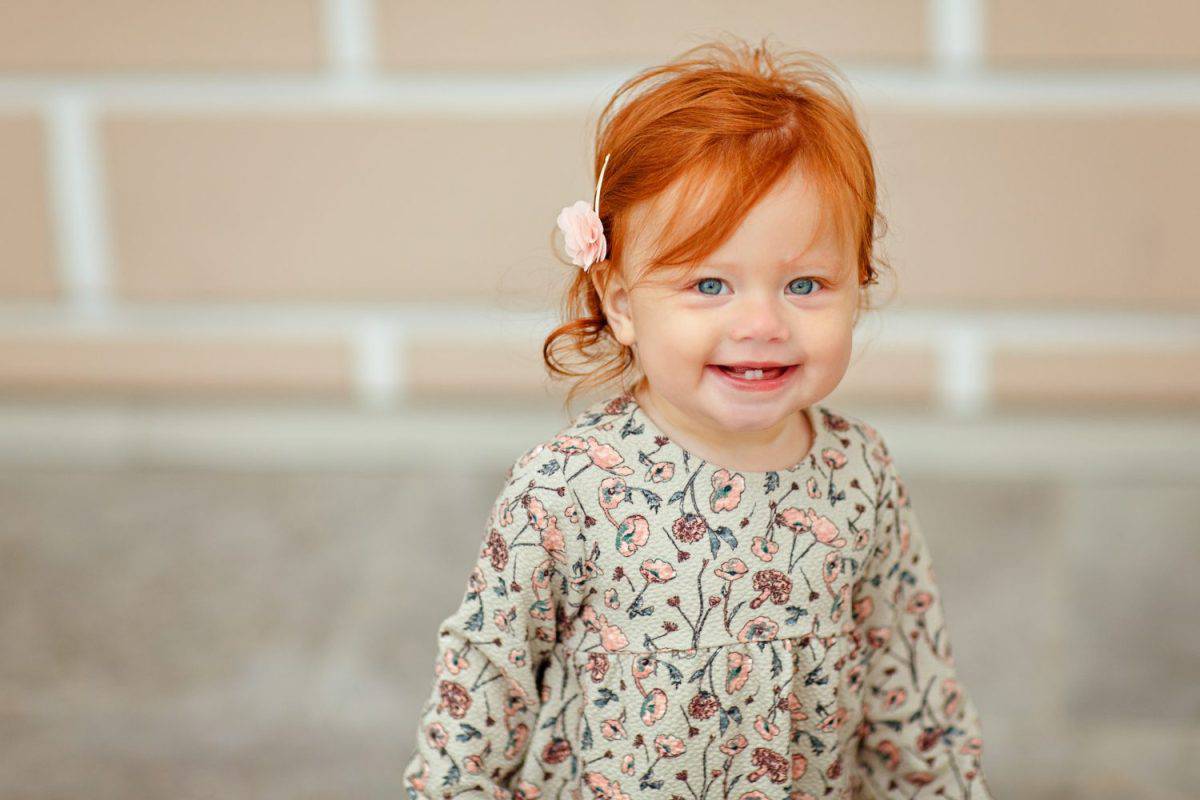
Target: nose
759	317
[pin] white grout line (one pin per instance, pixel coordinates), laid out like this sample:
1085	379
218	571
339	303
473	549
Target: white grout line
376	377
1164	329
349	37
957	34
79	218
962	379
512	94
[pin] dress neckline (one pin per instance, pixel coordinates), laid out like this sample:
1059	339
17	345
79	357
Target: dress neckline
809	458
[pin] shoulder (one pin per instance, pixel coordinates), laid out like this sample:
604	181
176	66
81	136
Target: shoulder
861	442
853	431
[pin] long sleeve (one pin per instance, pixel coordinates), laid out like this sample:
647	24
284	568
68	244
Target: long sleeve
474	730
920	726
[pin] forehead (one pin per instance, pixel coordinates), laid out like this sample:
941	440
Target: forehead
797	219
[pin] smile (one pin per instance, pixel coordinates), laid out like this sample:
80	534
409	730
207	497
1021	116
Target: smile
756	380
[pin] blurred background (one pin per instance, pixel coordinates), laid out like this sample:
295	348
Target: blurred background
274	279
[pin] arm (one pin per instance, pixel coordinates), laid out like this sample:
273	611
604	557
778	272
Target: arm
920	726
474	730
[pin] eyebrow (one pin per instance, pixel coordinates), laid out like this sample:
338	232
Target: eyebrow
820	266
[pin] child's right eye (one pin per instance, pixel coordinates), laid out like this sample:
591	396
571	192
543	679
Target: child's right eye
700	283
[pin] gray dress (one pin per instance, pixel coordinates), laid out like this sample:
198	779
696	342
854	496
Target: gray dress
641	623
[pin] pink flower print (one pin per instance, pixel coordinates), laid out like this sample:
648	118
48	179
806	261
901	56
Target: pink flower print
905	536
660	471
764	549
496	550
890	753
823	529
795	709
655	570
689	528
654	705
833	721
455	698
813	488
737	670
920	603
437	736
607	458
530	455
773	585
766	730
950	697
894	699
628	764
799	767
516	740
731	570
727	490
476	582
834	459
855	677
536	511
703	705
644	666
735	745
832	567
602	788
572	512
552	541
611	598
473	764
862	609
568	445
612	729
759	629
878	637
632	533
612	638
526	791
597	664
500	619
880	455
590	618
517	657
768	763
973	746
668	746
455	662
612	492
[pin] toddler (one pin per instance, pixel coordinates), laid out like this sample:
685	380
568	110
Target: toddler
709	584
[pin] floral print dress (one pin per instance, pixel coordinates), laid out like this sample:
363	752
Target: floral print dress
644	624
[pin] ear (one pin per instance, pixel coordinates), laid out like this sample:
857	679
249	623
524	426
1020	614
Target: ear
614	298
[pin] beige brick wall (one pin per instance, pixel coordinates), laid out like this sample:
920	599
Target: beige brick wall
321	162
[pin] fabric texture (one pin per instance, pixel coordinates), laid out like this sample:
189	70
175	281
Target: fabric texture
642	623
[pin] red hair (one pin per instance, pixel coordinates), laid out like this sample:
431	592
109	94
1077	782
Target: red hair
722	123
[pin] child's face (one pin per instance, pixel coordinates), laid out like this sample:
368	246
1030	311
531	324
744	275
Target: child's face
777	290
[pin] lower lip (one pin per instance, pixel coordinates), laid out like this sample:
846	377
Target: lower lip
761	385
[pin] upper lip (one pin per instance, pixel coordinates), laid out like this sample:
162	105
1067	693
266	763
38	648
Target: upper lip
756	364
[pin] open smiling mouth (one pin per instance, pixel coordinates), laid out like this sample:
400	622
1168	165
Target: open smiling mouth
762	379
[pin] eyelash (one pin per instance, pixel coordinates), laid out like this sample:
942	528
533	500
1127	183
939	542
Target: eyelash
816	284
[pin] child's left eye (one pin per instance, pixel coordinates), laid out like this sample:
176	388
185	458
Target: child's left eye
810	283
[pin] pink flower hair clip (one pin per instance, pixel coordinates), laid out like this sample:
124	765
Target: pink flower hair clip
582	229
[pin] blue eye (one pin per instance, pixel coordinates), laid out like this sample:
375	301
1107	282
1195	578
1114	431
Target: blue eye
809	286
809	281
